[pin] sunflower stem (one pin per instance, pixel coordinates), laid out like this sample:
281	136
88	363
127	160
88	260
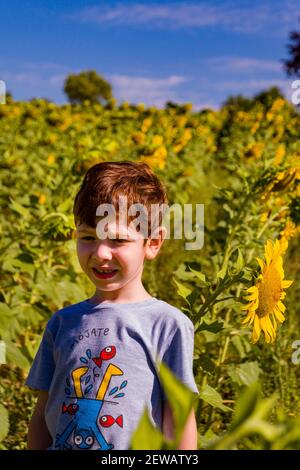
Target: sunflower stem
221	359
235	226
223	285
264	227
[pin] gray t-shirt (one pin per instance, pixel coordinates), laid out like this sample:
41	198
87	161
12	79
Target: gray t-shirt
98	363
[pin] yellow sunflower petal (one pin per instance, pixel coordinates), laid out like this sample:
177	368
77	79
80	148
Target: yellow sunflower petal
274	322
278	247
268	251
263	324
249	318
245	307
252	289
270	327
286	284
278	266
281	306
256	329
278	315
261	263
283	245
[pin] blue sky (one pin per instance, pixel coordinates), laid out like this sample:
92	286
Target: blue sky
151	52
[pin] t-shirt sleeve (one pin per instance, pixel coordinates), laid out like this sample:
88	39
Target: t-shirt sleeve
179	355
42	369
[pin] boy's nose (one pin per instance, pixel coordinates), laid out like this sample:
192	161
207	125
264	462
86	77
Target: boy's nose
103	251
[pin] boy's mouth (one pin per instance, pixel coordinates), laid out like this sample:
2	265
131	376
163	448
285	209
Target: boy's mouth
104	273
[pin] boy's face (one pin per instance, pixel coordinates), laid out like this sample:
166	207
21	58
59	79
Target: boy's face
121	255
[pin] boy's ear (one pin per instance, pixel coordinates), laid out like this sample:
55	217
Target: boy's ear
154	244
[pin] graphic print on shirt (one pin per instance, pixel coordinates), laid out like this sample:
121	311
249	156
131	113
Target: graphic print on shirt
84	429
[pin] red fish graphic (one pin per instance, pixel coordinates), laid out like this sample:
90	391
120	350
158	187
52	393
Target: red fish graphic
72	408
107	421
107	353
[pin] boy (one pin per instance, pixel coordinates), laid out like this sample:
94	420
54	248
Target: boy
95	367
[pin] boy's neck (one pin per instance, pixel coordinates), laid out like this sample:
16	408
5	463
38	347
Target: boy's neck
119	297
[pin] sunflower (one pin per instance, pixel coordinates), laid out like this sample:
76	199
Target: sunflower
289	231
265	308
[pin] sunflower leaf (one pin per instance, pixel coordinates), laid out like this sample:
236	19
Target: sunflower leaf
211	396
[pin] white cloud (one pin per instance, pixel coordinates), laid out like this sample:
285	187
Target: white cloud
57	79
244	64
45	66
245	87
249	85
36	78
275	18
205	105
151	91
29	79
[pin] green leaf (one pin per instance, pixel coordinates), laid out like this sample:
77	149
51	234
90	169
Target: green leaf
200	276
65	206
16	265
2	352
222	272
207	439
146	436
25	258
246	373
193	296
187	310
4	309
56	215
246	405
213	327
182	290
15	357
9	325
4	423
228	209
206	363
249	418
211	396
237	342
182	274
179	397
23	211
240	263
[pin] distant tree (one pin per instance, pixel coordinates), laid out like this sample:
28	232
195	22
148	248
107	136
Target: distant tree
266	98
87	85
292	64
269	96
238	101
171	105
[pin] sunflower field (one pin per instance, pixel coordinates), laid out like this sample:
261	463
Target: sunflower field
241	289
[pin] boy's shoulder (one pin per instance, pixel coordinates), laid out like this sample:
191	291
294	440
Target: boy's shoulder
63	312
77	307
174	314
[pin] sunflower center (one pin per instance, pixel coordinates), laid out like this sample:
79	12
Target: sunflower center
269	291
